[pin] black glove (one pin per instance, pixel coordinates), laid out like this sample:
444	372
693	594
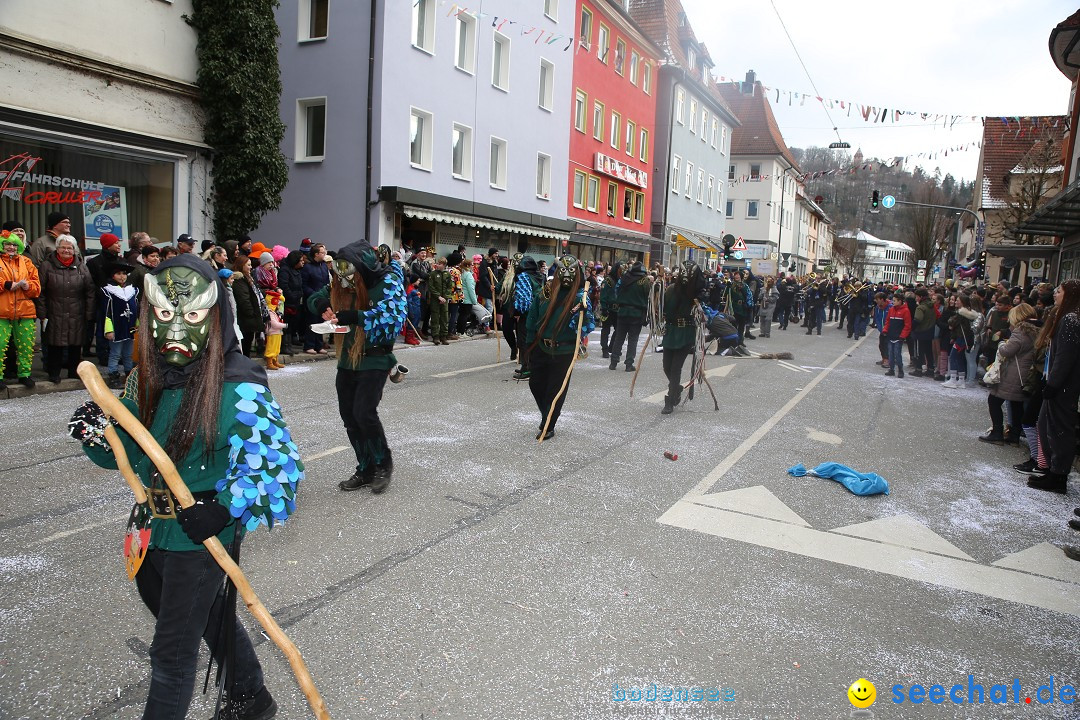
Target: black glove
87	425
203	520
1050	392
348	317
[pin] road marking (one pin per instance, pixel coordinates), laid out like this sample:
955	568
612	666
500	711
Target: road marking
452	373
326	453
789	366
821	436
74	531
746	445
928	567
721	371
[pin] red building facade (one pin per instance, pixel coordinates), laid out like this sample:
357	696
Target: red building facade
612	135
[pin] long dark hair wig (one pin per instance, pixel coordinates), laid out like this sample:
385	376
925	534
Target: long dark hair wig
356	298
197	418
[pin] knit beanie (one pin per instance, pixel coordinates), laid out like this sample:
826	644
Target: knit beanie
305	245
265	258
108	240
54	219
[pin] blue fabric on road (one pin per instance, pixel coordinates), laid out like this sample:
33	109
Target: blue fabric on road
857	482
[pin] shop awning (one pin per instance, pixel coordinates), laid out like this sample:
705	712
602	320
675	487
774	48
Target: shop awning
1059	217
1022	252
683	241
609	236
443	216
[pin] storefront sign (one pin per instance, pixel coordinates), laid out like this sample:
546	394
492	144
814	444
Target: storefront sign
16	173
107	214
614	168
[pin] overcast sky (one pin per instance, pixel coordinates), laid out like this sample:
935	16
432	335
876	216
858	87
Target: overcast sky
961	57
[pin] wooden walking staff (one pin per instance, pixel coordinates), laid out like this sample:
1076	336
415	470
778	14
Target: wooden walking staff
112	407
573	361
495	318
640	359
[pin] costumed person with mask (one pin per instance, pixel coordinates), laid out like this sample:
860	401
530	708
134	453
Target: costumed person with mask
551	337
527	283
367	294
609	310
680	336
209	407
505	296
632	297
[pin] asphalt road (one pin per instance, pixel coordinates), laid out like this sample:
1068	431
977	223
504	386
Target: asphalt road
501	579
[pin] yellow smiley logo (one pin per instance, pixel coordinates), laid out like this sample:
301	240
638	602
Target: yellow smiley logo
862	693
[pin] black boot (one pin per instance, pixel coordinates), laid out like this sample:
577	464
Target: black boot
261	706
380	479
547	435
359	479
669	406
614	362
1051	482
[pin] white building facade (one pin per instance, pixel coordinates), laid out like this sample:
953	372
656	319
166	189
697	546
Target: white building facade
102	126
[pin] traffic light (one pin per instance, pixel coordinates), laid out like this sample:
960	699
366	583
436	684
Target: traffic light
875	201
982	265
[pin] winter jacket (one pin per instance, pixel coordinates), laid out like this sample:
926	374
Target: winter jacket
314	276
960	327
632	294
18	304
118	311
43	247
1016	356
1064	361
468	288
769	298
924	318
898	322
291	284
98	265
66	300
248	312
439	285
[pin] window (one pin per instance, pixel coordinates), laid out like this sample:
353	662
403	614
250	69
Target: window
634	59
543	176
462	152
700	186
675	173
730	172
755	171
423	25
547	84
579	189
646	77
643	146
612	198
714	126
620	55
704	125
631	134
709	191
310	129
628	204
581	101
598	120
751	208
465	51
691	58
420	123
592	199
314	19
689	179
693	115
603	43
585	32
680	101
500	62
551	9
497	169
723	139
729	209
616	128
639	207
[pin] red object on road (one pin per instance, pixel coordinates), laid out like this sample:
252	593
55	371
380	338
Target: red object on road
670	455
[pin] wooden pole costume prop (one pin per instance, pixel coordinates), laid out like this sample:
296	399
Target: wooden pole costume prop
495	318
112	407
656	323
573	361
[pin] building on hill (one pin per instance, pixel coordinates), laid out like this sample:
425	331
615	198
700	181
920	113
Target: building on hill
762	177
876	259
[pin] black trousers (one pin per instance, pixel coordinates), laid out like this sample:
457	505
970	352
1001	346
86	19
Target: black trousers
843	315
359	393
185	592
606	332
673	365
1057	432
997	416
509	328
56	361
547	373
626	331
924	350
781	315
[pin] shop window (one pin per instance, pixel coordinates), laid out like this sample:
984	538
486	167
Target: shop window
310	129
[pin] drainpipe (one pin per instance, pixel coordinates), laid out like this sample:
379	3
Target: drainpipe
369	202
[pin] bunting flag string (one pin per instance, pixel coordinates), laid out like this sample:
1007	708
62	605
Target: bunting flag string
881	115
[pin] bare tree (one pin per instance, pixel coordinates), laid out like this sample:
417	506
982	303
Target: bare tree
1034	180
926	229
